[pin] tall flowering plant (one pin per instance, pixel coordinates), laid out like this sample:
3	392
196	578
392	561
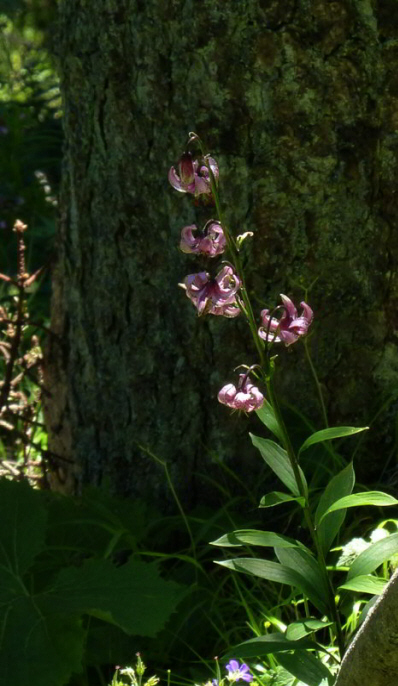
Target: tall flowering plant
222	291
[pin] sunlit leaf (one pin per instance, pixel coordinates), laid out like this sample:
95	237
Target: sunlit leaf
271	643
365	584
297	630
273	571
374	556
306	667
302	562
377	498
254	537
340	486
329	434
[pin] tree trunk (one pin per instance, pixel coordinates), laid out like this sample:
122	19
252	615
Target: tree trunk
297	100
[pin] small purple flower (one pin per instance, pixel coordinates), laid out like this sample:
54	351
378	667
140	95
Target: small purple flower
237	672
211	241
214	296
289	327
245	396
193	176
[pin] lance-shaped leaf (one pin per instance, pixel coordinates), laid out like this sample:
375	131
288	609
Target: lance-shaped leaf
329	434
278	498
267	416
271	643
374	556
365	584
306	667
253	537
297	630
273	571
302	562
340	486
377	498
277	459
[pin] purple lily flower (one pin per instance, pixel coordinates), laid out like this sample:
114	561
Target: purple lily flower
289	327
214	296
237	672
210	242
193	177
245	396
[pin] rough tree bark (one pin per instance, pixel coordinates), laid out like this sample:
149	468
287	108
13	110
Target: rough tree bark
298	101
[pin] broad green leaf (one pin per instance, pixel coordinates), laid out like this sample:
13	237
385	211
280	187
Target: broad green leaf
277	498
365	584
23	521
340	486
297	630
377	498
271	643
306	667
267	416
374	556
329	434
36	647
301	561
253	537
133	596
277	459
273	571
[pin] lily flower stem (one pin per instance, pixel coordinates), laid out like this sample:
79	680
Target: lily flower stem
307	513
267	373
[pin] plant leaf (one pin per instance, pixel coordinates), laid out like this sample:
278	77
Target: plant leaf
277	498
329	434
306	667
133	596
267	416
371	558
340	486
271	643
277	459
254	537
273	571
377	498
23	523
365	584
302	562
297	630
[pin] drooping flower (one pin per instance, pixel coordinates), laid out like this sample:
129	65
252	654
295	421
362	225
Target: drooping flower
289	327
214	296
237	672
193	175
211	241
245	396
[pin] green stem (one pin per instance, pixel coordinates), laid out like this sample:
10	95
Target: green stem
267	374
317	384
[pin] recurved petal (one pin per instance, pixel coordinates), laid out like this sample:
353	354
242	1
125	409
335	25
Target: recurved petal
289	305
